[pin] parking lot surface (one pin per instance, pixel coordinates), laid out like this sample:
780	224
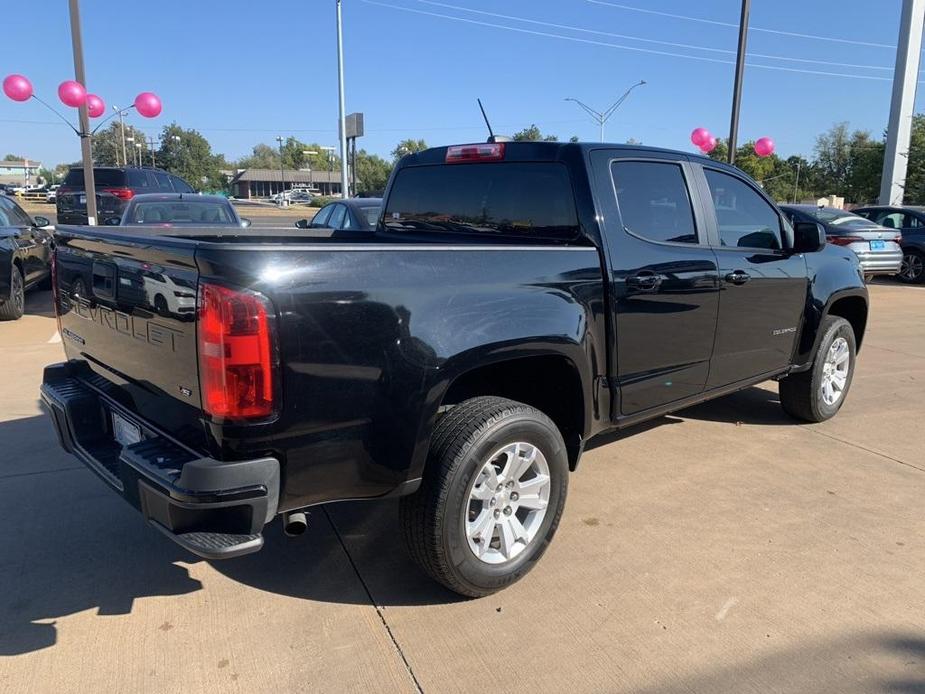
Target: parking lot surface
722	549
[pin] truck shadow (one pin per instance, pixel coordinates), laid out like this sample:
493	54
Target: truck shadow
40	303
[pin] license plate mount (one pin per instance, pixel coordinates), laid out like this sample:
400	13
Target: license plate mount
123	431
877	245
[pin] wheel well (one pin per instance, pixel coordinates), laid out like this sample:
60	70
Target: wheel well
18	264
854	310
551	384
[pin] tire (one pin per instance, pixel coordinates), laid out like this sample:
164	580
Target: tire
12	308
475	435
913	267
160	305
802	395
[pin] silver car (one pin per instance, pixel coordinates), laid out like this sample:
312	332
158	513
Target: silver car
876	247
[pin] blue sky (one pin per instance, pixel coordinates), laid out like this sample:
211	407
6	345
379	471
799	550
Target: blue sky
243	72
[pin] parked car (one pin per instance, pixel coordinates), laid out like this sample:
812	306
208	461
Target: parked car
910	222
52	194
876	246
25	256
179	209
115	186
353	214
515	301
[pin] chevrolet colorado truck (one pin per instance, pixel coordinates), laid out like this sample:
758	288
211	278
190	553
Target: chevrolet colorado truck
515	301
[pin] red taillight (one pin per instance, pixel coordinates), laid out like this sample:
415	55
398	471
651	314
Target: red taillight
237	353
121	193
843	240
491	151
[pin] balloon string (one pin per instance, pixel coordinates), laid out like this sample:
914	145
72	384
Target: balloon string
76	131
110	117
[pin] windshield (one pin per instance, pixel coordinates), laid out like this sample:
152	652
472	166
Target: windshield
518	198
180	212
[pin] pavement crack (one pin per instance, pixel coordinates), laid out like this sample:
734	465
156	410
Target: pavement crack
373	602
40	472
869	450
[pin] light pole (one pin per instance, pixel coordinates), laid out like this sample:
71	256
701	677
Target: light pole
140	161
737	85
86	148
121	113
343	122
309	153
603	116
282	180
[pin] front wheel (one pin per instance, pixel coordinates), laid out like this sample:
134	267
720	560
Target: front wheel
491	498
817	394
13	308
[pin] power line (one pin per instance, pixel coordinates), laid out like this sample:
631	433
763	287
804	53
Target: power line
645	40
736	26
620	46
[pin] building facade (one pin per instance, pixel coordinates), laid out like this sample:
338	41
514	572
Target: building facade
20	173
262	183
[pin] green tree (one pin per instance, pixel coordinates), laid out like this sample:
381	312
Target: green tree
832	163
533	134
914	193
409	146
865	167
188	154
13	157
372	174
262	156
107	145
574	138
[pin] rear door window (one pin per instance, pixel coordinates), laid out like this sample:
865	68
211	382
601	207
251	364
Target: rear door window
321	219
180	185
163	182
523	199
337	217
138	179
654	201
745	219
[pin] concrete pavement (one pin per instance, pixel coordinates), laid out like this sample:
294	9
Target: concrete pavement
723	549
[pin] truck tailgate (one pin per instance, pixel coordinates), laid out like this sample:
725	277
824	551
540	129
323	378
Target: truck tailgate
127	311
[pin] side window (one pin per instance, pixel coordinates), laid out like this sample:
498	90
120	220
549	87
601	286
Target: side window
337	217
653	200
180	185
15	214
321	219
910	222
137	179
745	219
163	181
5	220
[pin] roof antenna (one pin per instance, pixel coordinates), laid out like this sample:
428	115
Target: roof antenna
491	135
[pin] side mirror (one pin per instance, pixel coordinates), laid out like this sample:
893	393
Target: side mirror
113	221
302	224
808	237
245	222
41	221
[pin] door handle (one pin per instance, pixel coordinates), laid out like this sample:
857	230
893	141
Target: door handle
645	281
738	277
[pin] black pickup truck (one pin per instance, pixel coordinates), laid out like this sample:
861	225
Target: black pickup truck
515	301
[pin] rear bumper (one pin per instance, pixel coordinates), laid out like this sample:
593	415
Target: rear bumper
215	509
879	263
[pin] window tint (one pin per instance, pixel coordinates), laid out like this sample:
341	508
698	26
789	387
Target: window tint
101	177
513	199
321	218
891	220
137	179
745	219
370	215
163	181
6	217
180	185
337	217
14	214
653	201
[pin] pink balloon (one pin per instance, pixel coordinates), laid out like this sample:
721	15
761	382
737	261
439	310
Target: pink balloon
72	93
699	136
17	87
96	107
709	145
148	104
764	146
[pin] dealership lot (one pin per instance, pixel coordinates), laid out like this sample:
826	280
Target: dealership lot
724	548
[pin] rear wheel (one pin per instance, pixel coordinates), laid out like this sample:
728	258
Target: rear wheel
12	308
913	267
491	498
817	394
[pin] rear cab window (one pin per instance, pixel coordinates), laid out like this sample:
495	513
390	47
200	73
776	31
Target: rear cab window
500	199
654	201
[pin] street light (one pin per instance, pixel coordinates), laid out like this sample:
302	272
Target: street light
603	116
139	161
282	180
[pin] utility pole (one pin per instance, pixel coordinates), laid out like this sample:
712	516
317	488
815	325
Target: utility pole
343	122
282	179
899	131
603	116
737	87
796	184
86	148
122	128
